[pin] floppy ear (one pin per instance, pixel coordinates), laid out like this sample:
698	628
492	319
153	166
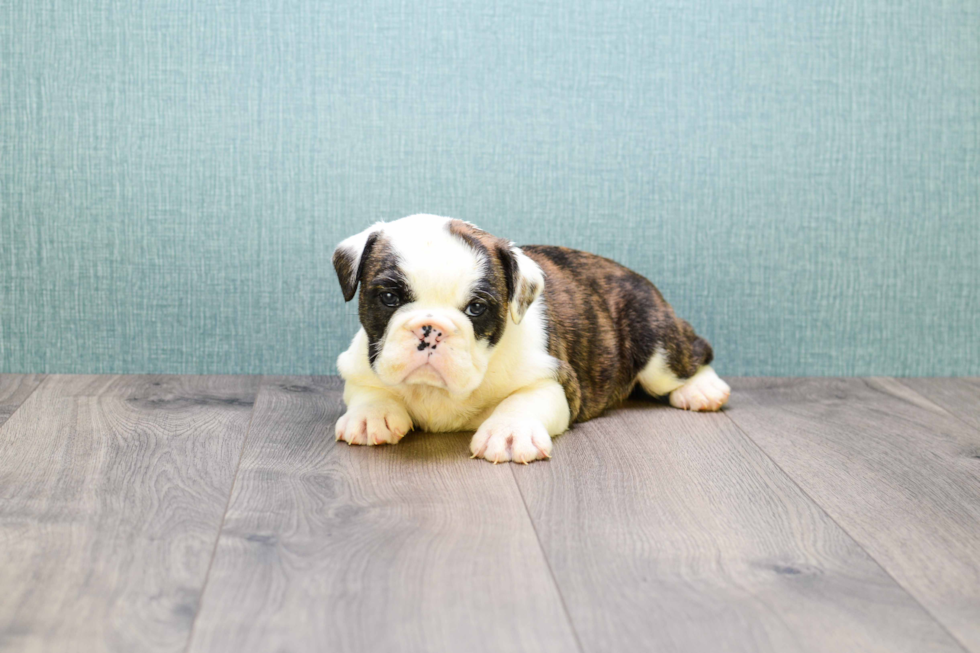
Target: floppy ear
525	280
349	257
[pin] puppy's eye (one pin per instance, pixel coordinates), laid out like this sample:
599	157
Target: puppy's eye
390	299
476	309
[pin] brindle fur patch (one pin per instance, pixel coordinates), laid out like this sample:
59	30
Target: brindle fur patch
566	376
606	321
344	262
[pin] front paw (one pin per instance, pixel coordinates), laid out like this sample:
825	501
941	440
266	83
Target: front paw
384	423
506	438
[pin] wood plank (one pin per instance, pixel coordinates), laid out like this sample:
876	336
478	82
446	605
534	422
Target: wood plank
898	473
670	531
14	389
414	547
112	491
959	396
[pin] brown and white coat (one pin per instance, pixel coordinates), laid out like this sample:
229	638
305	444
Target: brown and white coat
461	330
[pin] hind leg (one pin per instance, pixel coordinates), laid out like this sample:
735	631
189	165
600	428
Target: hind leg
702	391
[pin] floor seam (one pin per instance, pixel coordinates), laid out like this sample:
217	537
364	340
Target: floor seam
224	515
30	394
899	380
857	543
547	562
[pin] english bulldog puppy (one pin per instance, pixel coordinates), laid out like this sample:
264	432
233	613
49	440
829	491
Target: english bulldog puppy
464	331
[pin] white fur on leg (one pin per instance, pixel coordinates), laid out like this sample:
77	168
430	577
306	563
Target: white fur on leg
373	421
656	377
521	426
703	391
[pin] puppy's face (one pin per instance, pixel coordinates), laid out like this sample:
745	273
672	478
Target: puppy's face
436	298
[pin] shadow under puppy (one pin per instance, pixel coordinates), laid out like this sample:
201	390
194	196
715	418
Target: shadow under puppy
461	330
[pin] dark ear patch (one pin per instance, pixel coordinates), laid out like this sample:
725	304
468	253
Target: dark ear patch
509	265
349	265
520	291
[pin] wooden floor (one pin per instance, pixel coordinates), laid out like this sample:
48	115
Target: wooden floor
163	513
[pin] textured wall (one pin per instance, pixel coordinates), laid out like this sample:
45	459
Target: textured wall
801	179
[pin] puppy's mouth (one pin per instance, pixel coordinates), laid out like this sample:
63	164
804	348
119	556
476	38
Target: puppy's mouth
425	374
424	369
429	359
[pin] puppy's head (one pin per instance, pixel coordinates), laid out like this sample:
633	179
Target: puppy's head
436	298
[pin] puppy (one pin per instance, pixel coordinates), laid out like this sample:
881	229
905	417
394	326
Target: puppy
461	330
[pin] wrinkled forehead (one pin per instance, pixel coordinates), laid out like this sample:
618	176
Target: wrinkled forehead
438	266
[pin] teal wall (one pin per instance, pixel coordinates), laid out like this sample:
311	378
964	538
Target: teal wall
801	179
